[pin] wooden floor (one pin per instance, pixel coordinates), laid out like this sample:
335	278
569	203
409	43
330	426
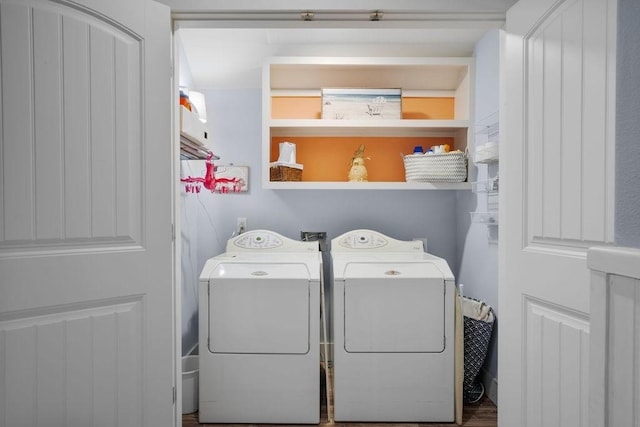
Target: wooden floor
481	414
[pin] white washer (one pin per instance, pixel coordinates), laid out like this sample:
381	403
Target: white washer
259	332
393	330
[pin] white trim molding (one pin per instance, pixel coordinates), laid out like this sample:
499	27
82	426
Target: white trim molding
614	384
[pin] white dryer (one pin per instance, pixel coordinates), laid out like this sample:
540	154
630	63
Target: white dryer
393	330
259	332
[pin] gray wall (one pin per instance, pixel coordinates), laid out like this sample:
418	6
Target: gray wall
627	217
477	256
236	130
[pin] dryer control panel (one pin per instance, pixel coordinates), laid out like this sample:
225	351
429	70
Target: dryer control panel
363	240
257	240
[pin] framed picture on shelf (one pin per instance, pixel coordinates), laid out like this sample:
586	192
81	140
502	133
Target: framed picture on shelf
361	104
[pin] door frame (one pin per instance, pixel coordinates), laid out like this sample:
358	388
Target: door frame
217	17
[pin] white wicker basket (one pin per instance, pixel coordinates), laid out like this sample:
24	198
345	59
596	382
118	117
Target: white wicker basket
446	167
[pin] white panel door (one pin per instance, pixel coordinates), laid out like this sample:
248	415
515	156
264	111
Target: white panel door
86	311
557	177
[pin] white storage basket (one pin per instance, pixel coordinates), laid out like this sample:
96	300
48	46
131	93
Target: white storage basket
446	167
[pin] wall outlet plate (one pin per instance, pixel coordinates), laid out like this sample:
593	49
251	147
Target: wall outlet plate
241	225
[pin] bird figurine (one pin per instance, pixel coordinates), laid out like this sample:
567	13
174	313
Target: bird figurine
358	172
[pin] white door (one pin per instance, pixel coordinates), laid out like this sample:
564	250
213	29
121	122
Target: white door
557	182
86	329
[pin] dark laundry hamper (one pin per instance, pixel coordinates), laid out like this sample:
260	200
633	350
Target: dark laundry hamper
478	320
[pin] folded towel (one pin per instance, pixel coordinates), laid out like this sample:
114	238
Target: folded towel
477	310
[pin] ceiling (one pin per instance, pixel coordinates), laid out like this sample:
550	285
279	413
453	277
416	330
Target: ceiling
223	44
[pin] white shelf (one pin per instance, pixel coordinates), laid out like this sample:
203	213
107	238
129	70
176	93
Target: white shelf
408	73
487	186
382	127
488	218
301	185
487	140
487	153
194	136
191	150
487	133
415	76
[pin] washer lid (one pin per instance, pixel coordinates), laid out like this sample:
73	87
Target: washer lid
395	269
261	270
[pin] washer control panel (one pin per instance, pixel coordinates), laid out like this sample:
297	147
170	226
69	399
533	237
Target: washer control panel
257	240
363	240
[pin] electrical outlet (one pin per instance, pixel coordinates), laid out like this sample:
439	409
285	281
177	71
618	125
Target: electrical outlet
241	225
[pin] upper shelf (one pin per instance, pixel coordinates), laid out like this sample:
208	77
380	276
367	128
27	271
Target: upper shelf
319	127
331	185
194	136
419	73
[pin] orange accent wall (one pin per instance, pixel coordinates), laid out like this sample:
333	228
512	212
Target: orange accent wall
298	107
428	108
310	107
329	158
